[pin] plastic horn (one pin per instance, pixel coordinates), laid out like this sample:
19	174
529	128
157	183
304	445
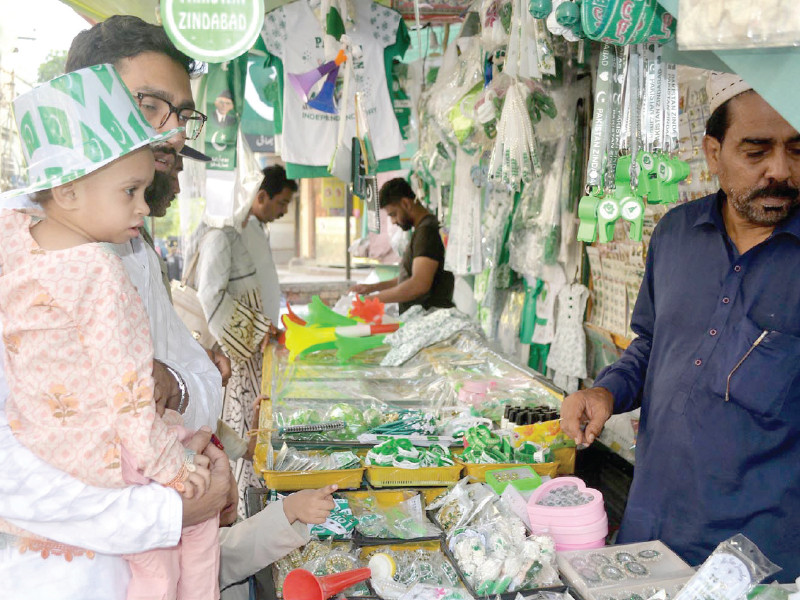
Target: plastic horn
304	82
304	585
324	101
302	340
319	314
348	347
293	316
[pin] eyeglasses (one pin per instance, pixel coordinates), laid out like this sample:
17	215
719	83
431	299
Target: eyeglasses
157	111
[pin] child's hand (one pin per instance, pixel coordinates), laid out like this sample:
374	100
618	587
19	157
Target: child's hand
198	479
310	506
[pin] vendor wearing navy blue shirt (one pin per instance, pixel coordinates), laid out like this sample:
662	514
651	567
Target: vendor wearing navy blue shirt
716	364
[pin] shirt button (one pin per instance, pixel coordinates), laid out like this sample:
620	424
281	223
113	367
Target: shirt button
725	300
698	362
713	332
737	268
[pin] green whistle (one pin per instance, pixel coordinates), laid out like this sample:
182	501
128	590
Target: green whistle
623	174
631	208
607	215
647	167
587	213
671	171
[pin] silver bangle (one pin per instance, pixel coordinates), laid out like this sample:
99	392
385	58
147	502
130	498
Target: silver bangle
181	385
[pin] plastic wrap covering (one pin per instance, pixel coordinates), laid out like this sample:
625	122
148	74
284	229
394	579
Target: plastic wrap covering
490	543
464	249
459	378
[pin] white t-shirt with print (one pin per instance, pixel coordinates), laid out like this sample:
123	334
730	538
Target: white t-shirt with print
293	34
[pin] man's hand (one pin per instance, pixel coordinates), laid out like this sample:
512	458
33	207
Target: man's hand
310	506
364	288
584	413
197	510
166	391
272	334
222	362
230	512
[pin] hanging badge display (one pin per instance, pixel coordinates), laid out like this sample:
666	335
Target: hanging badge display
601	127
615	116
213	31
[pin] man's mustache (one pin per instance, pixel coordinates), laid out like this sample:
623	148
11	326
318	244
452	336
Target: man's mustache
783	190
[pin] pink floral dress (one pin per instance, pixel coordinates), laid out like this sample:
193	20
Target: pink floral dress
79	360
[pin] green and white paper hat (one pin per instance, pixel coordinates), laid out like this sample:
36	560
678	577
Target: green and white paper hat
77	123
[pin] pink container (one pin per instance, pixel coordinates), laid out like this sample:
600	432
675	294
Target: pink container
541	512
572	514
569	537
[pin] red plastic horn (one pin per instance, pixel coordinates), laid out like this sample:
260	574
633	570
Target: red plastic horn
304	585
293	316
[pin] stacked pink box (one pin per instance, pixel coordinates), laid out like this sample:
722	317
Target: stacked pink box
569	512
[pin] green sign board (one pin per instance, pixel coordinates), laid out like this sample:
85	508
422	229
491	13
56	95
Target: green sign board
213	30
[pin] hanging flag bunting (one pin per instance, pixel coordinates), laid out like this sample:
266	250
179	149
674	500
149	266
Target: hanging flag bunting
258	116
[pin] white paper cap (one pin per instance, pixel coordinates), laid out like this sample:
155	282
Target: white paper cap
722	87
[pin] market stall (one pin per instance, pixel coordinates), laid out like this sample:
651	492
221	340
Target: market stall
393	435
548	140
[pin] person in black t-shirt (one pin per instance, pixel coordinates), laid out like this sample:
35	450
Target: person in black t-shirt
422	278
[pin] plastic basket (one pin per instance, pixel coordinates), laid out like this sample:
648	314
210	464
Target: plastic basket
478	470
289	481
424	476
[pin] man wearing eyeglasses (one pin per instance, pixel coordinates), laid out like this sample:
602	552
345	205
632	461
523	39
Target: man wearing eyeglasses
50	503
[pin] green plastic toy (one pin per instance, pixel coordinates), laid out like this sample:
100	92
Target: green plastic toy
348	347
671	171
607	215
648	172
631	209
587	213
323	316
540	9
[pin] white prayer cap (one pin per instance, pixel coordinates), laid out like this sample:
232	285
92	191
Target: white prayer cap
721	87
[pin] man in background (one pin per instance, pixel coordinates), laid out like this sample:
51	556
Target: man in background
423	280
271	203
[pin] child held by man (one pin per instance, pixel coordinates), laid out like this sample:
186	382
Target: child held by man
78	351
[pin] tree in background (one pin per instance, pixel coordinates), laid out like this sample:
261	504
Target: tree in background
53	66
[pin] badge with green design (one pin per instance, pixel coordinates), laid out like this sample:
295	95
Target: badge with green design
213	31
77	123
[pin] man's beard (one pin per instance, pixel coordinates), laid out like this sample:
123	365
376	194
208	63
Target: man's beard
159	195
747	206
